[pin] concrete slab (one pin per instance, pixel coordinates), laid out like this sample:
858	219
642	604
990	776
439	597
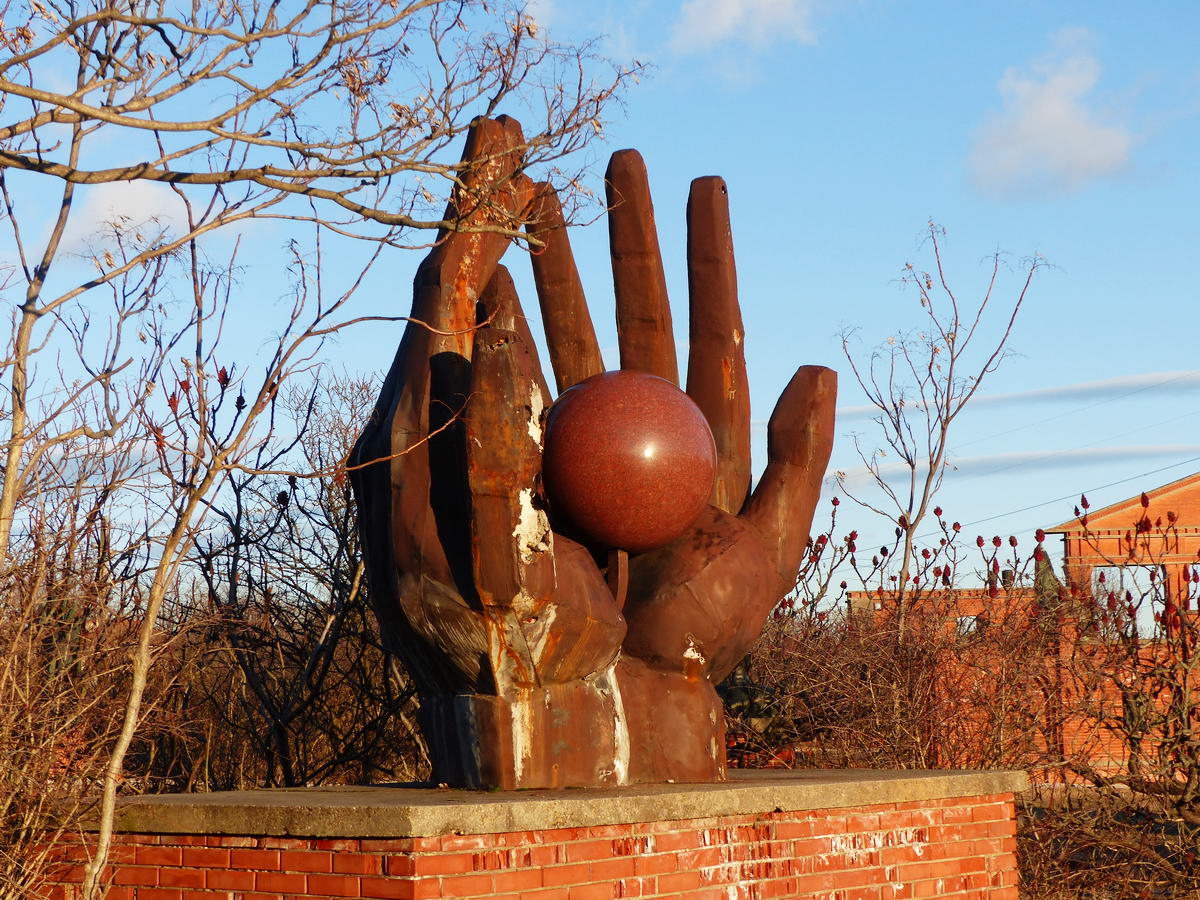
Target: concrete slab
391	811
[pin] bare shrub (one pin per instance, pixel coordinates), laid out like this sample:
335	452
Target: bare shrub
1128	823
1087	683
843	692
296	687
67	628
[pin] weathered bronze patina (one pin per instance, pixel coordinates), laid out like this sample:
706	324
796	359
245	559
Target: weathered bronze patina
541	661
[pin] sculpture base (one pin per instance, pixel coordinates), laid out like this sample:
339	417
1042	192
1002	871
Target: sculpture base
848	834
631	724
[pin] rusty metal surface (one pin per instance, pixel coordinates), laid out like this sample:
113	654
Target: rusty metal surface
543	662
574	350
644	332
715	334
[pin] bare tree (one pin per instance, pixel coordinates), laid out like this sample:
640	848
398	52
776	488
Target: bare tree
336	112
335	118
920	382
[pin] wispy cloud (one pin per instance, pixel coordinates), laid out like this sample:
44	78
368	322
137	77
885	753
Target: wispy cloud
544	12
1121	386
1030	461
1162	383
704	24
130	203
1051	134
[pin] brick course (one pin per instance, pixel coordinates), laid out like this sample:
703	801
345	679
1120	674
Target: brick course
959	847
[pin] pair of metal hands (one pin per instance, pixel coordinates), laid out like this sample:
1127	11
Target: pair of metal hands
531	672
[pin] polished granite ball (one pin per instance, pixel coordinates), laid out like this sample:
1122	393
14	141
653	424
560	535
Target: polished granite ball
629	460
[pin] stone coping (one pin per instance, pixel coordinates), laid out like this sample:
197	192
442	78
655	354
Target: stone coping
395	811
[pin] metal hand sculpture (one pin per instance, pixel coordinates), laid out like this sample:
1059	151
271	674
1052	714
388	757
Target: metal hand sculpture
531	673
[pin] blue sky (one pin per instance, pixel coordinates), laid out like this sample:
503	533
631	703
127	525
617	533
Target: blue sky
1064	129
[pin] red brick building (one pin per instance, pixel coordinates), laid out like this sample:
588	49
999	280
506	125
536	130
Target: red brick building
1158	530
1106	642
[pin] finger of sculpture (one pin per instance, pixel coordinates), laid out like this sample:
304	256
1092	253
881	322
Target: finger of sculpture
410	483
584	628
491	192
444	293
574	350
643	313
716	375
514	576
799	441
523	585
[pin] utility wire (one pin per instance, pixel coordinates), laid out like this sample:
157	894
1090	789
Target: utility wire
1088	446
1069	412
1072	495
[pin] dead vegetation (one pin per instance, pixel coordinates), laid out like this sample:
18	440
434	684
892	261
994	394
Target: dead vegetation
1092	694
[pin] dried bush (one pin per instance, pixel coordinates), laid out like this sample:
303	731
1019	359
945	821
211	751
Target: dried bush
1088	686
295	687
67	629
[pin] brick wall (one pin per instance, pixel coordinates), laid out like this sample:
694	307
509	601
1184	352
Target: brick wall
961	847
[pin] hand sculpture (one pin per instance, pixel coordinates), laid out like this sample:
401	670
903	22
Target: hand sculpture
531	673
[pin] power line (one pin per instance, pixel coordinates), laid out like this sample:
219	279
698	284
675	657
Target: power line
1072	495
1095	443
1053	454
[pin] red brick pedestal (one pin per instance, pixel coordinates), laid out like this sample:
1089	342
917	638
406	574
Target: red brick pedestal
844	835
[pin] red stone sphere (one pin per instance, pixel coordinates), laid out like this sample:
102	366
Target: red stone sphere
629	460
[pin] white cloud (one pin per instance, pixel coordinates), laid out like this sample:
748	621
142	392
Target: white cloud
1051	134
133	203
542	11
703	24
